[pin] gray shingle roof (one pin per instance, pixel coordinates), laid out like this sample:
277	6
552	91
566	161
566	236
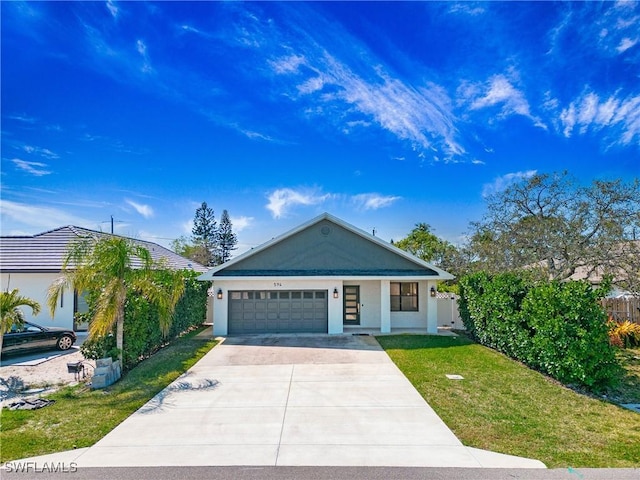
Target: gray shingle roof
45	251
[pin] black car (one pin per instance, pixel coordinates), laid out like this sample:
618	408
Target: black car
30	336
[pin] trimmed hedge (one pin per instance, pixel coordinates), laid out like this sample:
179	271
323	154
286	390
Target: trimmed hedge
142	334
559	329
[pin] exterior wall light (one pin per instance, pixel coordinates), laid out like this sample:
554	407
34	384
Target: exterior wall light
219	294
432	292
335	293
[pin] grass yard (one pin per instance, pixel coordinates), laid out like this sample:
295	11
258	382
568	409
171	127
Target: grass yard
80	417
505	407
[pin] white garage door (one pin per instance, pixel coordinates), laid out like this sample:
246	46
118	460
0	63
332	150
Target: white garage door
293	311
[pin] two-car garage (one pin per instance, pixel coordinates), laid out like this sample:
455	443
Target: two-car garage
278	311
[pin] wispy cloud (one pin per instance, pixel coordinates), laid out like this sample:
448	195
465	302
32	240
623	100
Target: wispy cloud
420	114
43	152
288	64
41	217
498	92
257	135
141	47
467	8
145	210
504	181
338	79
22	118
113	8
33	168
625	44
590	112
241	223
283	199
373	201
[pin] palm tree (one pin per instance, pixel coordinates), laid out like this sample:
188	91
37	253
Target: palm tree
11	313
107	268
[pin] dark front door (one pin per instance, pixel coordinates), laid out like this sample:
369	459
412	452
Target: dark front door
351	295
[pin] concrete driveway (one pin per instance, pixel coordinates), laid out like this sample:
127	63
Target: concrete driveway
288	400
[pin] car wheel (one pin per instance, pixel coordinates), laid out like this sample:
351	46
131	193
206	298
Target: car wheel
64	342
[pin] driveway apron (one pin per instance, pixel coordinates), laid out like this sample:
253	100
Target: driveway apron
290	400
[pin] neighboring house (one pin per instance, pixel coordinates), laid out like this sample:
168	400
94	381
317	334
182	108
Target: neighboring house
32	263
325	276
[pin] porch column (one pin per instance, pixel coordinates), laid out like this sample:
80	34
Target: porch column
432	309
385	306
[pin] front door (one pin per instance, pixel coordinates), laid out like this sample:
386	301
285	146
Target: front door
351	296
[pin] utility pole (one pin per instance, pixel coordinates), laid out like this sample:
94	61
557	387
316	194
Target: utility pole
112	221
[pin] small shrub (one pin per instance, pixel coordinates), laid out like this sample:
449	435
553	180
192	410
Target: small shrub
624	334
103	347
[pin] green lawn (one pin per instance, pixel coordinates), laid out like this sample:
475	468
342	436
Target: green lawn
80	417
505	407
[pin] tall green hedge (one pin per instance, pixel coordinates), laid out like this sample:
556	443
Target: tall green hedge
557	328
142	334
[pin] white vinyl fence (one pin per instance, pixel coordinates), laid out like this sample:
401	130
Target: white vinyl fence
448	315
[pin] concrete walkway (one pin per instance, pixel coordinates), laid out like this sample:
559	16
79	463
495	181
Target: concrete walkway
288	400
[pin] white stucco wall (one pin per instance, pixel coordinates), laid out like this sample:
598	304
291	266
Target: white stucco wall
35	286
414	319
373	310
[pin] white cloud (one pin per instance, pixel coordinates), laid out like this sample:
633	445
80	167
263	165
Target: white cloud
283	199
256	135
625	44
145	210
467	8
22	118
589	112
499	91
141	47
240	223
43	152
358	87
33	168
501	183
373	201
113	9
313	84
289	64
40	217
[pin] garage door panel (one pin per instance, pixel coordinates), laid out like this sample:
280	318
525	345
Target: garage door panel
294	311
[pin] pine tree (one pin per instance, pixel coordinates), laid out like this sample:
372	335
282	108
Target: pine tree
226	240
204	235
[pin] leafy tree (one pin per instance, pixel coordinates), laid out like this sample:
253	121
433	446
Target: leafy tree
182	246
424	244
204	236
547	224
10	311
226	240
106	268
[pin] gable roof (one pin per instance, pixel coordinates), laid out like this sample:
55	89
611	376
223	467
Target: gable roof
44	252
326	246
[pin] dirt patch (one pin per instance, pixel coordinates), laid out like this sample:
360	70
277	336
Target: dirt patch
28	377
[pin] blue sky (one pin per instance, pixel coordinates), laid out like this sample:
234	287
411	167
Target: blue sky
383	114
